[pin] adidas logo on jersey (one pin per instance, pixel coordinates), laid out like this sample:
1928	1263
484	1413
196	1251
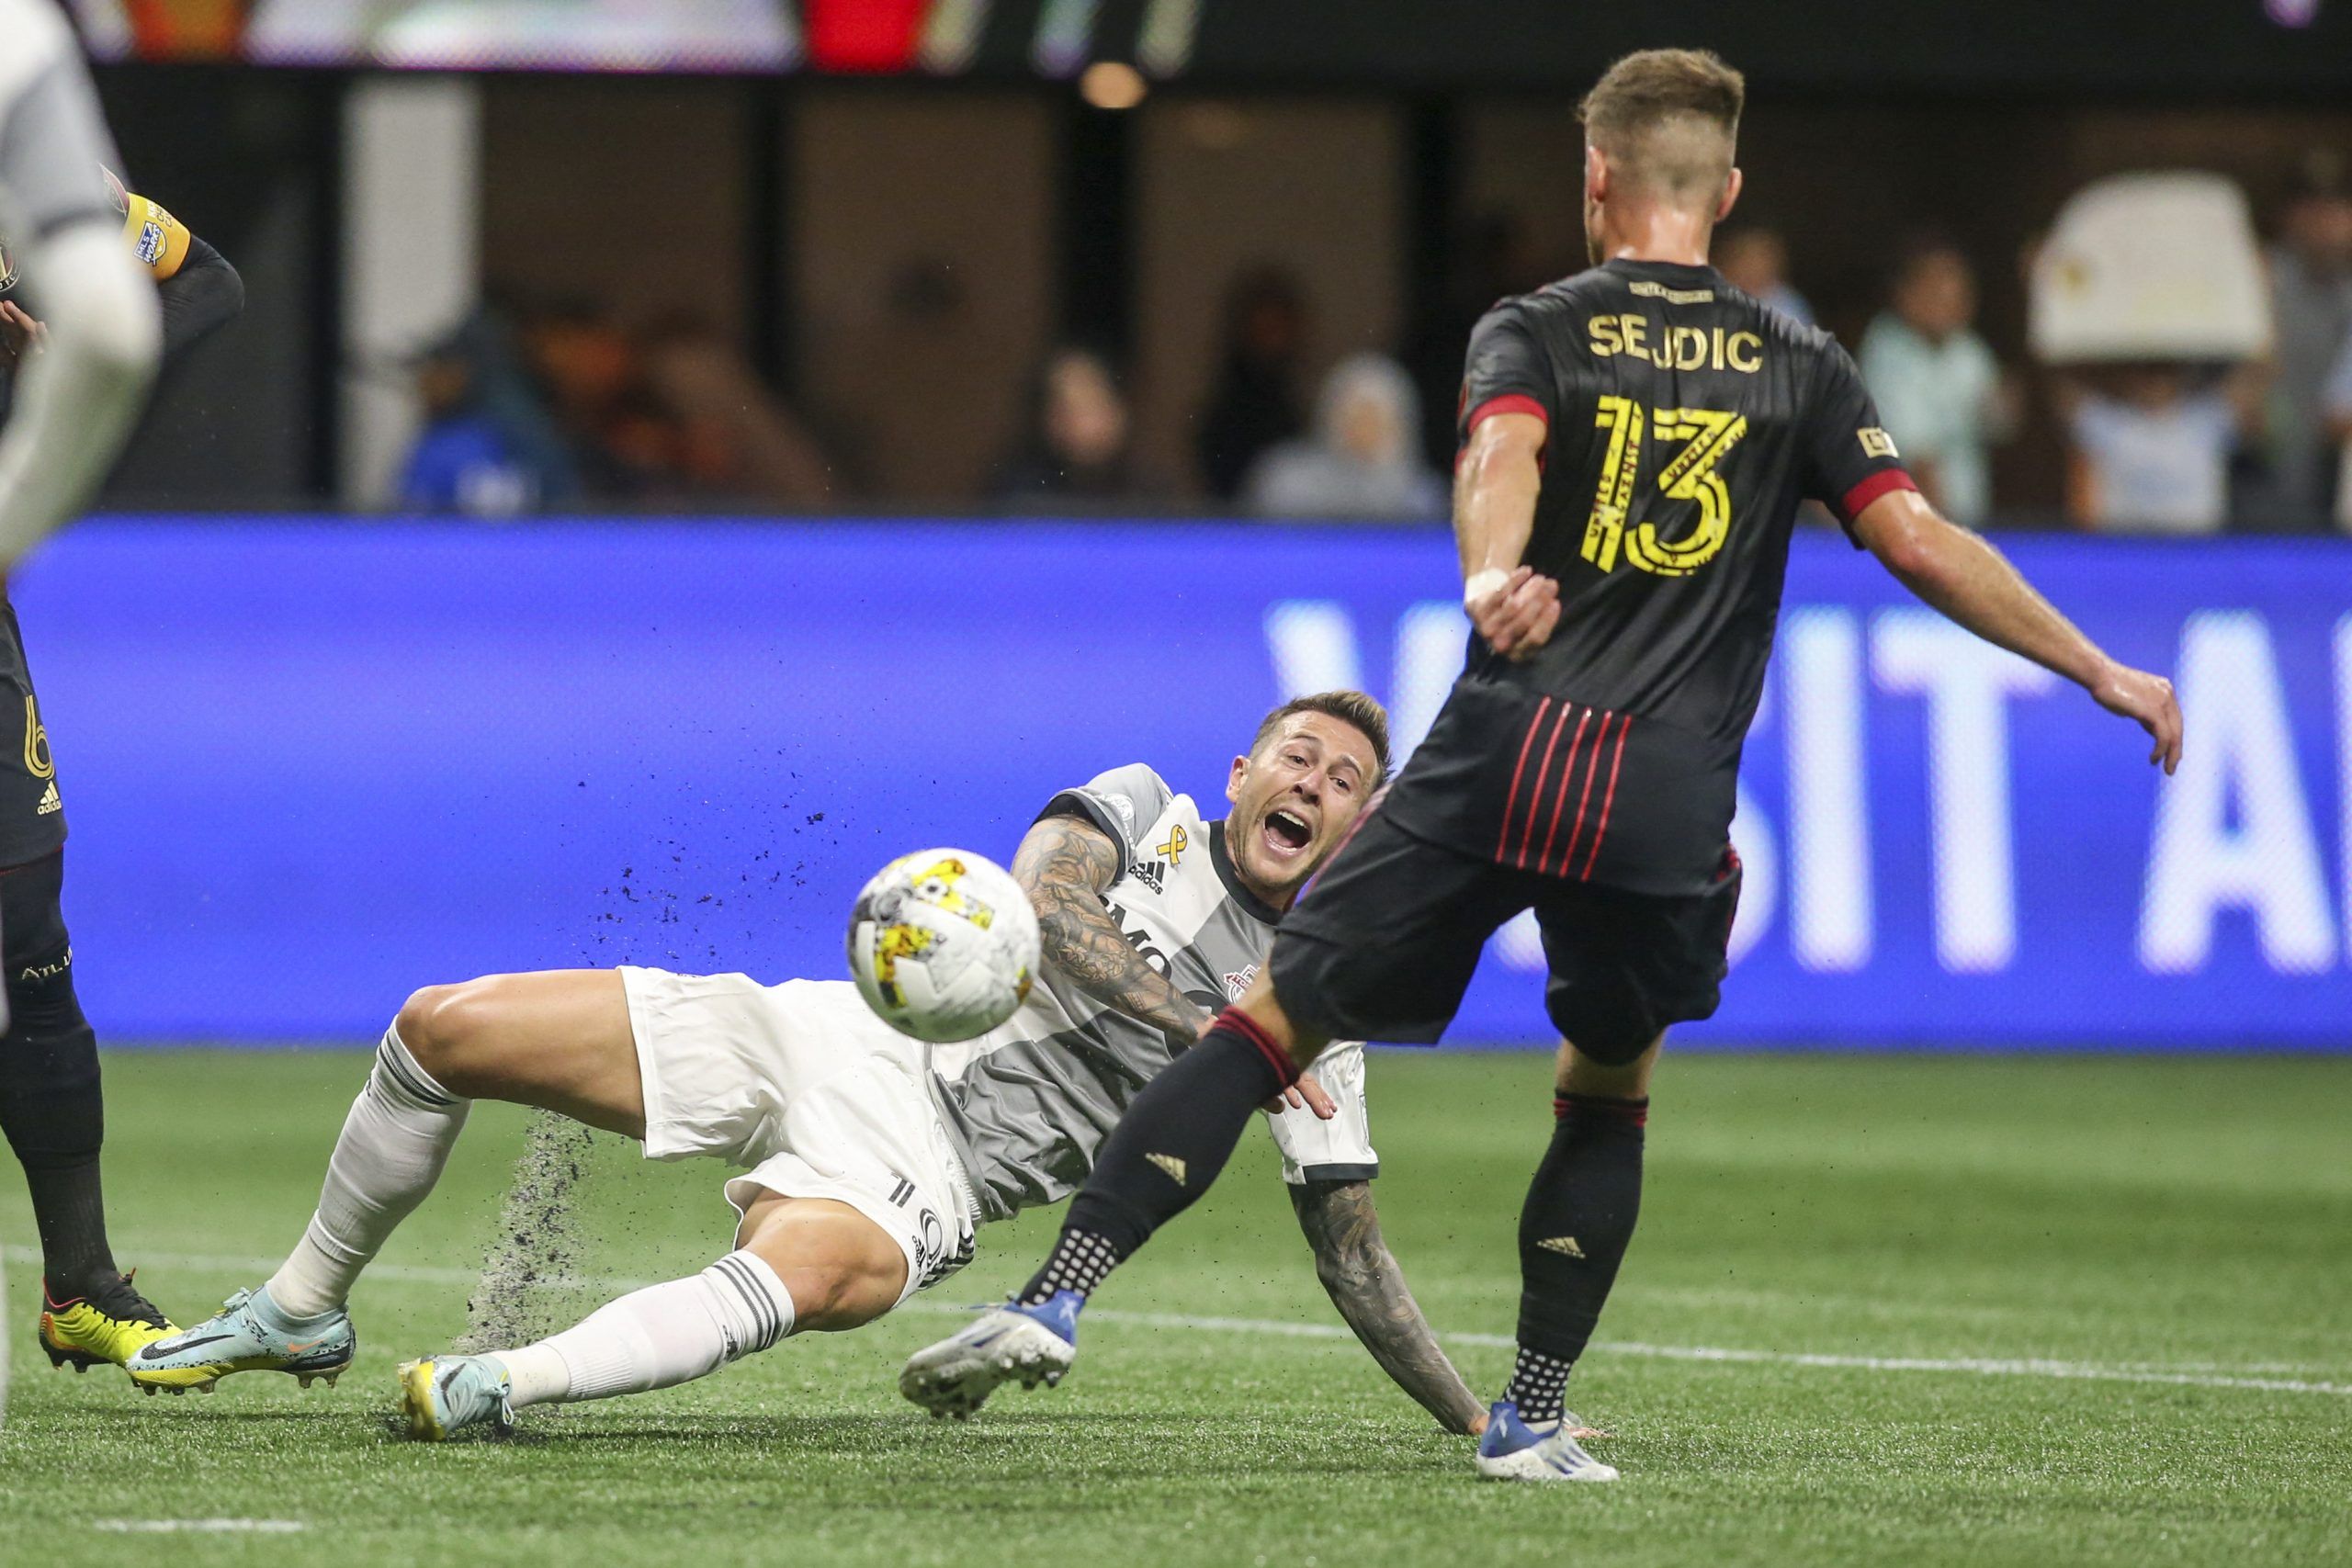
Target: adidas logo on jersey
49	801
1152	873
1563	1245
1172	1165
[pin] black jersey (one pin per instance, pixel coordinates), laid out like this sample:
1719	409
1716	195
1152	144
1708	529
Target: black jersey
1687	424
202	292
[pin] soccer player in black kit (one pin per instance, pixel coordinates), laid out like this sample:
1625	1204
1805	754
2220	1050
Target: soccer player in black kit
51	1109
1636	443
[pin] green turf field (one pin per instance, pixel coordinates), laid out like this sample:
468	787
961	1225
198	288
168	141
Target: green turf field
2160	1235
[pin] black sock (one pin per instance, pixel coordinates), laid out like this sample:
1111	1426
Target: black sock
54	1118
51	1109
70	1212
1572	1235
1164	1153
1539	1386
1080	1261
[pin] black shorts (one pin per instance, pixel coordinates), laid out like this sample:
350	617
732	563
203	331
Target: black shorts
32	819
33	941
1538	783
1384	944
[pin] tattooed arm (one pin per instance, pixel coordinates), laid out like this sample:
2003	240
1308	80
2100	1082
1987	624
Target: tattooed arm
1064	865
1369	1289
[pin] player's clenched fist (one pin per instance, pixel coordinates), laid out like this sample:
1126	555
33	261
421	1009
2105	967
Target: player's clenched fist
1514	611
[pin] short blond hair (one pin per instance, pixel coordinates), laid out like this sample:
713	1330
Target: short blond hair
1349	707
1667	120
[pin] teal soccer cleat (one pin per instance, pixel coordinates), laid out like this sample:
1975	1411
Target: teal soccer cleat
443	1395
247	1335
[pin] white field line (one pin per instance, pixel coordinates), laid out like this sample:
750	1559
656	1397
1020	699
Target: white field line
2076	1371
200	1527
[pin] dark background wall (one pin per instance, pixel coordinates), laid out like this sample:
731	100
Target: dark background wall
249	161
897	257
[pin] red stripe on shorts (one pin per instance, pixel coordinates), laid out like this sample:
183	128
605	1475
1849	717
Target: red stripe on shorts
1511	796
1576	833
1608	799
1535	790
1560	799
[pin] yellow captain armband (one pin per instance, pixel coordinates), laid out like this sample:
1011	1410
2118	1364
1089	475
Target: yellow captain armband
159	240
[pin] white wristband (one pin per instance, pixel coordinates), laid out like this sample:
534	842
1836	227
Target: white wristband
1481	583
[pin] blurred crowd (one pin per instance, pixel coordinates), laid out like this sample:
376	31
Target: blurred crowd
528	411
2161	443
532	410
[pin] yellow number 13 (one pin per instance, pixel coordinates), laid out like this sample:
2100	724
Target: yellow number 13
1707	435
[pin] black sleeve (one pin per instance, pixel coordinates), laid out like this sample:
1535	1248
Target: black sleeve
1507	371
1849	460
204	294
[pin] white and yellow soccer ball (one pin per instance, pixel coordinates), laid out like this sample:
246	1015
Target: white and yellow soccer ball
943	944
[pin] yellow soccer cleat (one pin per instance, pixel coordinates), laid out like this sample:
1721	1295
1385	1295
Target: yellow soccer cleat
105	1328
443	1395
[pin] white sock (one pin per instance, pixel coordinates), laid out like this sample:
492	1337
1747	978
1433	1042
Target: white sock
394	1143
657	1337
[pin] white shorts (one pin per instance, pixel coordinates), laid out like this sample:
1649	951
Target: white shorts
801	1084
1337	1150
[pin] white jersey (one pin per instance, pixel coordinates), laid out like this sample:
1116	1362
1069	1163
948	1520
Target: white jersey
53	140
1031	1103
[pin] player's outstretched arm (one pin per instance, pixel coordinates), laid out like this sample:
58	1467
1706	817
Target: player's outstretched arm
1494	515
1965	578
1366	1285
1064	865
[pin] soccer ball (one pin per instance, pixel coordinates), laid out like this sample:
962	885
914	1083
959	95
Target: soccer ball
943	944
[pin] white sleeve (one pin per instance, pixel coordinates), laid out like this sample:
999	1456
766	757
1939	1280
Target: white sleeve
1337	1150
1124	803
76	400
53	140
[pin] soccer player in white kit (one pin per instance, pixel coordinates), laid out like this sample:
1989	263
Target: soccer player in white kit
870	1159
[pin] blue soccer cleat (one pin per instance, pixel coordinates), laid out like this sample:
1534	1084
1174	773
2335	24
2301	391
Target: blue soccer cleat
443	1395
1032	1344
247	1335
1514	1450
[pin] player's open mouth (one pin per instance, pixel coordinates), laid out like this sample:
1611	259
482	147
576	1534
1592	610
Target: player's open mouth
1287	832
